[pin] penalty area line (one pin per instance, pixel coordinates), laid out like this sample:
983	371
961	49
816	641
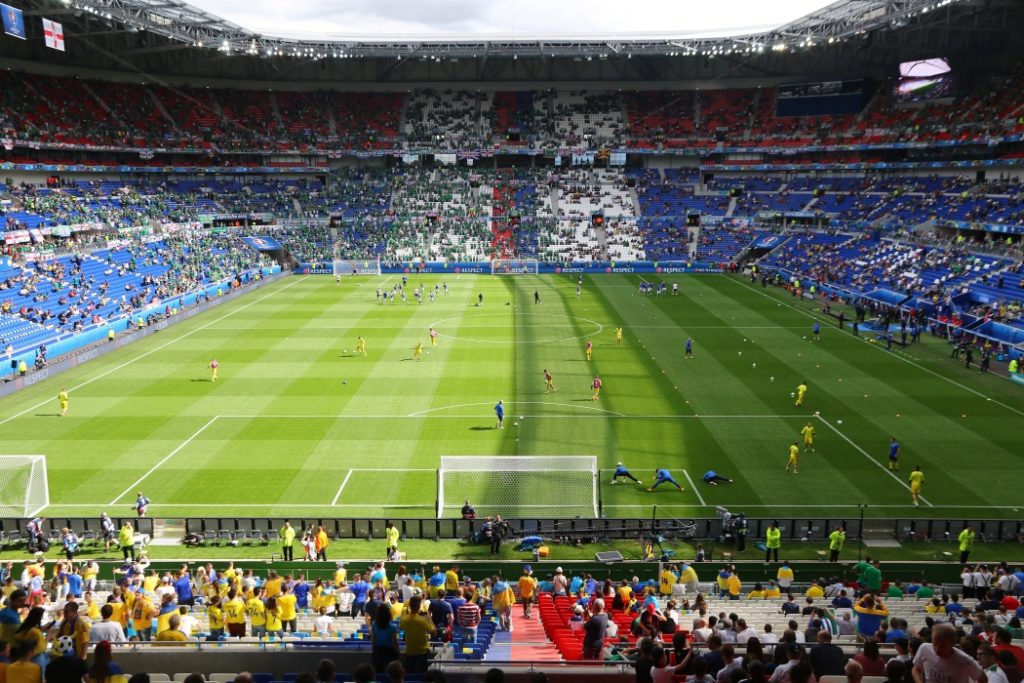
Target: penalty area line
334	501
167	457
695	490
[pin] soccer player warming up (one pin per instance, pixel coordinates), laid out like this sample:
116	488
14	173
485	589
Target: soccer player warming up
794	458
433	337
916	480
214	365
801	389
62	399
894	454
712	478
618	336
417	351
549	382
621	471
590	349
662	476
688	349
360	345
499	412
808	434
596	385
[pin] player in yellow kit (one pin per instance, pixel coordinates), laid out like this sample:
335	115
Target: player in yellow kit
62	399
618	336
433	337
808	434
794	458
590	349
417	352
549	382
916	480
360	345
214	366
801	389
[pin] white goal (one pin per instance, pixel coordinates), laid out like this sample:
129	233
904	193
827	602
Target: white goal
344	267
519	485
24	491
514	266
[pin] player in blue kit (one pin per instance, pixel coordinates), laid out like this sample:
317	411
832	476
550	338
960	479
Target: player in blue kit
664	476
894	454
711	477
499	412
817	331
688	351
621	471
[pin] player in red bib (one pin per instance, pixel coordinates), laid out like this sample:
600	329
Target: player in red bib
597	387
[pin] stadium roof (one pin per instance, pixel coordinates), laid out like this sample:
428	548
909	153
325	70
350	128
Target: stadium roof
150	39
186	24
454	20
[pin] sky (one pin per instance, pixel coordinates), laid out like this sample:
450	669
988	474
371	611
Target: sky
447	19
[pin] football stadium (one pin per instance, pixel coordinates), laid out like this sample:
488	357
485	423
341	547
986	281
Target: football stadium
371	342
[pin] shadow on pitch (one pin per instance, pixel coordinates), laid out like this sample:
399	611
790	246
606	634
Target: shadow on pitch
47	414
482	429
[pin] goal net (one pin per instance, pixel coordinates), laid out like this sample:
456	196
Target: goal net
519	485
24	491
514	266
343	267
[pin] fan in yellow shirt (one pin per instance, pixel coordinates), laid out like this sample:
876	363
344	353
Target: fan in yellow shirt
215	615
142	617
286	611
274	625
451	580
234	615
815	591
257	616
272	588
527	589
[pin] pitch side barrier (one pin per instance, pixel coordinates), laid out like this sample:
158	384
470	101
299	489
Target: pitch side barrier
803	529
73	349
484	267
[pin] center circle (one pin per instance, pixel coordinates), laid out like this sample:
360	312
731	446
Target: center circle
530	328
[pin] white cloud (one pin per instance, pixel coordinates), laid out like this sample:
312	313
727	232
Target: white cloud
524	18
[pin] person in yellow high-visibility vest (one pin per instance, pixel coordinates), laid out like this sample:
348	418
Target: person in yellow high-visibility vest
836	539
773	541
966	539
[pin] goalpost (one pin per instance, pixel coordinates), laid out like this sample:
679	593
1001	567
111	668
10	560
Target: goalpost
514	266
343	267
24	491
519	485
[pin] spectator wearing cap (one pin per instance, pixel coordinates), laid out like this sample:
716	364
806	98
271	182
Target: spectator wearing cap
561	584
527	589
594	630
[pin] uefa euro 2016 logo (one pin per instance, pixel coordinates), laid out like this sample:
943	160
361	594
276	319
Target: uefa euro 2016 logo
260	243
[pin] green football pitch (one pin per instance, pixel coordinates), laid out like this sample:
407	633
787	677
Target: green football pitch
297	424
